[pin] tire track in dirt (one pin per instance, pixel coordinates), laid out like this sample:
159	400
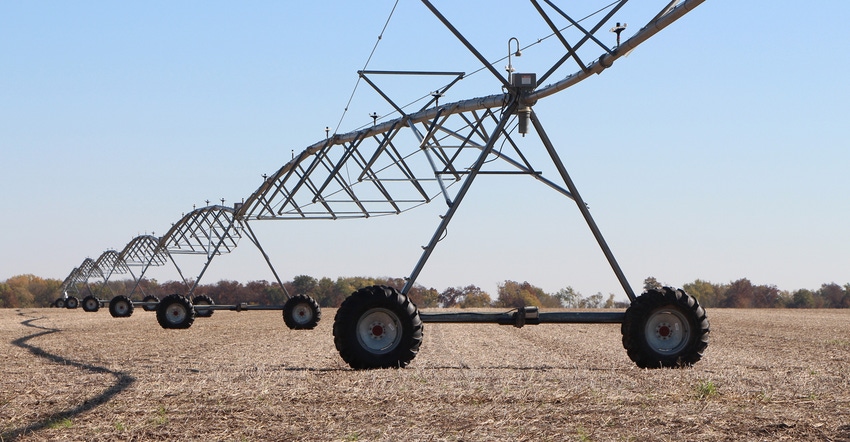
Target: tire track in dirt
122	381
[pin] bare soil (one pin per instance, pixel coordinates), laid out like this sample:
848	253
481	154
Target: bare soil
71	375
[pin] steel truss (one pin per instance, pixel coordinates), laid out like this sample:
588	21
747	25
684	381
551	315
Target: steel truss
109	263
394	166
207	231
437	152
86	270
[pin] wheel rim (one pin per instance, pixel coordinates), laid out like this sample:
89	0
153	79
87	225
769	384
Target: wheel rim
121	308
302	314
176	313
91	304
379	330
667	331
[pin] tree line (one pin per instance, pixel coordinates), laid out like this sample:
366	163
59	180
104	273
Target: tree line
24	291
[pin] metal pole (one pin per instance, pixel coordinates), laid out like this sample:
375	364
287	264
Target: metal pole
464	188
582	206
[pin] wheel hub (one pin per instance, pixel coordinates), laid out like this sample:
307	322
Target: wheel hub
663	331
667	331
379	330
177	313
303	314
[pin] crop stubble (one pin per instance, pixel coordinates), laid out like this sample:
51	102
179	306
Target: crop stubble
70	375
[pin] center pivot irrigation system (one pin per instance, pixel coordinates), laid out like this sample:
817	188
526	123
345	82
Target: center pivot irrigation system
434	152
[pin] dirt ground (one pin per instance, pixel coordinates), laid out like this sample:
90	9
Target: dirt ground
71	375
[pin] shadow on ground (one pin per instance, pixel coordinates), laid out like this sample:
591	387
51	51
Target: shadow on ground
122	382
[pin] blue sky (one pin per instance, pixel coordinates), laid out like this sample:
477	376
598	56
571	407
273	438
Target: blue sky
716	150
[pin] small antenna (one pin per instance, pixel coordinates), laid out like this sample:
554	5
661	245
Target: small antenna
374	116
618	29
437	95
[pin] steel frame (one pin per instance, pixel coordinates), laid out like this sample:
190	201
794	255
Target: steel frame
209	231
142	251
399	164
369	172
80	275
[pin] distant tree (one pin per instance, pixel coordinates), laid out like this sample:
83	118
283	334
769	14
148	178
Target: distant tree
802	299
266	293
766	296
224	292
5	295
834	296
326	293
20	295
303	284
450	297
593	301
740	294
464	297
547	300
475	298
568	297
743	294
516	295
170	288
28	291
650	283
424	298
708	294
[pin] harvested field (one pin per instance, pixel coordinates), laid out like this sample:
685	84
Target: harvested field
71	375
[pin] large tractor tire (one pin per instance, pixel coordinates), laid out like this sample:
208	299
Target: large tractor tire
72	302
91	304
665	328
201	300
150	299
59	303
377	327
175	312
121	307
301	312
